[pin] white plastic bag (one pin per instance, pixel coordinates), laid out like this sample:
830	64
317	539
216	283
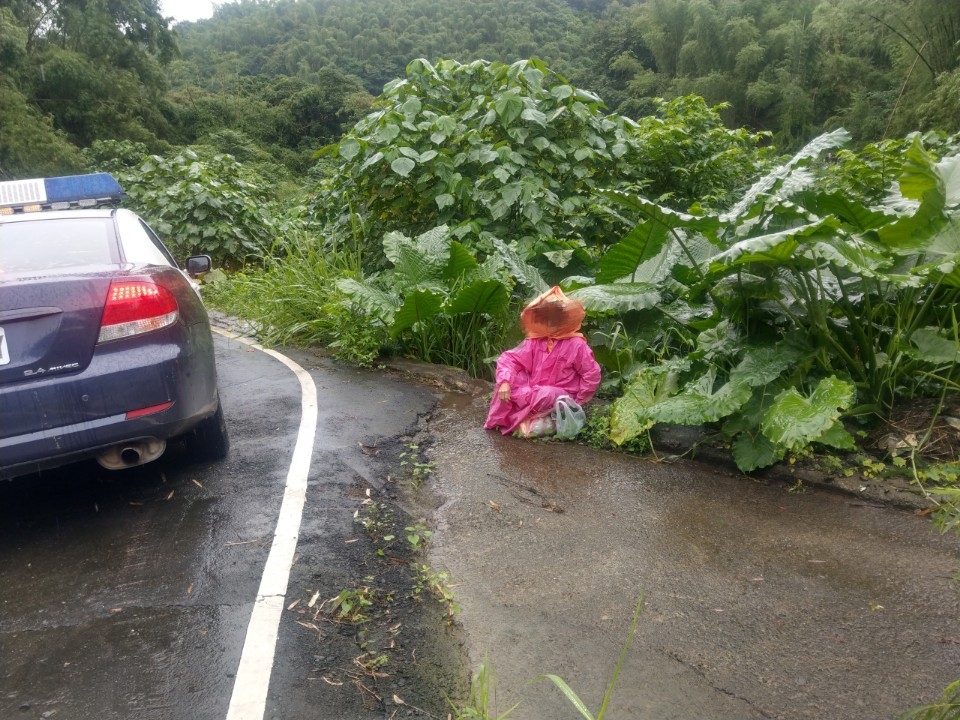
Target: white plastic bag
569	416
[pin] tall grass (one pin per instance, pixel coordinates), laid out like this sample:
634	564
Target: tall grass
293	299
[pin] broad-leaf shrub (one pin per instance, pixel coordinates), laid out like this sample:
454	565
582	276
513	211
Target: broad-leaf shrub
203	204
436	300
516	152
794	307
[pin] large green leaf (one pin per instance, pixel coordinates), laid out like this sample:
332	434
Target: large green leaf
764	364
766	184
620	297
525	273
910	233
480	296
949	171
435	243
417	307
402	166
755	450
349	148
847	209
698	403
661	215
460	263
847	252
945	271
415	268
374	301
775	248
919	178
838	437
629	417
932	347
509	106
391	245
642	243
795	421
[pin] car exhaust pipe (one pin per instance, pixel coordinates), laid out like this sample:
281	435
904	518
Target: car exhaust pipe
131	454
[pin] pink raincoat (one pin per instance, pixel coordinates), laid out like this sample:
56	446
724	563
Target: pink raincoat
538	375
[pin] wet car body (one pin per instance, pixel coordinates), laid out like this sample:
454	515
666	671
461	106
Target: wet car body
105	346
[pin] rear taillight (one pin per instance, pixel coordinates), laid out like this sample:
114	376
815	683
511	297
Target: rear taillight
134	307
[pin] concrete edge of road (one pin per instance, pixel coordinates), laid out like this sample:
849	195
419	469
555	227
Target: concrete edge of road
693	443
689	442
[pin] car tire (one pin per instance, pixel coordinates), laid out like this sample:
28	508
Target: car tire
209	440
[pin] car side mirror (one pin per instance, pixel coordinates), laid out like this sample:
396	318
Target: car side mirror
198	265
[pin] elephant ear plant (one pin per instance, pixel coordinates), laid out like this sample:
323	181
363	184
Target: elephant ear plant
437	300
795	309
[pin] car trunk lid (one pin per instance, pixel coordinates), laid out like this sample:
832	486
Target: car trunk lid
49	325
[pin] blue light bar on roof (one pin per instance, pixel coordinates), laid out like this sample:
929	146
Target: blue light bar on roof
97	187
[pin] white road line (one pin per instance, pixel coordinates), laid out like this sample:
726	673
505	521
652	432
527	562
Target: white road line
249	698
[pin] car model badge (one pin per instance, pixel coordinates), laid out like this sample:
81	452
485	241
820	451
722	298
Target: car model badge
4	353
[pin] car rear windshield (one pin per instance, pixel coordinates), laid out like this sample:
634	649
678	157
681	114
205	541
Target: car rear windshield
49	244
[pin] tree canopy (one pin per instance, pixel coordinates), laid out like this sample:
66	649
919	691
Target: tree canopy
294	75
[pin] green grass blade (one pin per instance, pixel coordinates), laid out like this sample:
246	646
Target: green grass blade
569	694
623	657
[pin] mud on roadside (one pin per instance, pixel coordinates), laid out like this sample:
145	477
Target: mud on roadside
383	646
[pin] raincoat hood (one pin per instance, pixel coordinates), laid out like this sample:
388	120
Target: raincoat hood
552	315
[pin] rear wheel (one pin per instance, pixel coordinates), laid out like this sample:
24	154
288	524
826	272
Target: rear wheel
209	440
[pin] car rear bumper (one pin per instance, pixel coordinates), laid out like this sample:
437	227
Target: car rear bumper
95	403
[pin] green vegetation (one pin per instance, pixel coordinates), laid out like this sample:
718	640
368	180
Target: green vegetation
290	77
353	605
418	469
436	583
575	700
948	706
786	302
802	305
481	703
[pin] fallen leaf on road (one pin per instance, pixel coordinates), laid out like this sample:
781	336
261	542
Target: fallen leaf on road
190	589
313	600
169	495
328	681
292	605
197	483
876	607
494	506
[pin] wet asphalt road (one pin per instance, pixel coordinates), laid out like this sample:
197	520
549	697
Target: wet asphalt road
128	595
759	602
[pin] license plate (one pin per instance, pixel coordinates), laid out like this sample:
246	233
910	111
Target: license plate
4	353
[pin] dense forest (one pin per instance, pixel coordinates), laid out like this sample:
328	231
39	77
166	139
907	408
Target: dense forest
280	79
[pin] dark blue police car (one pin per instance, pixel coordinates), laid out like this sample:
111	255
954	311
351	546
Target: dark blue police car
105	345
